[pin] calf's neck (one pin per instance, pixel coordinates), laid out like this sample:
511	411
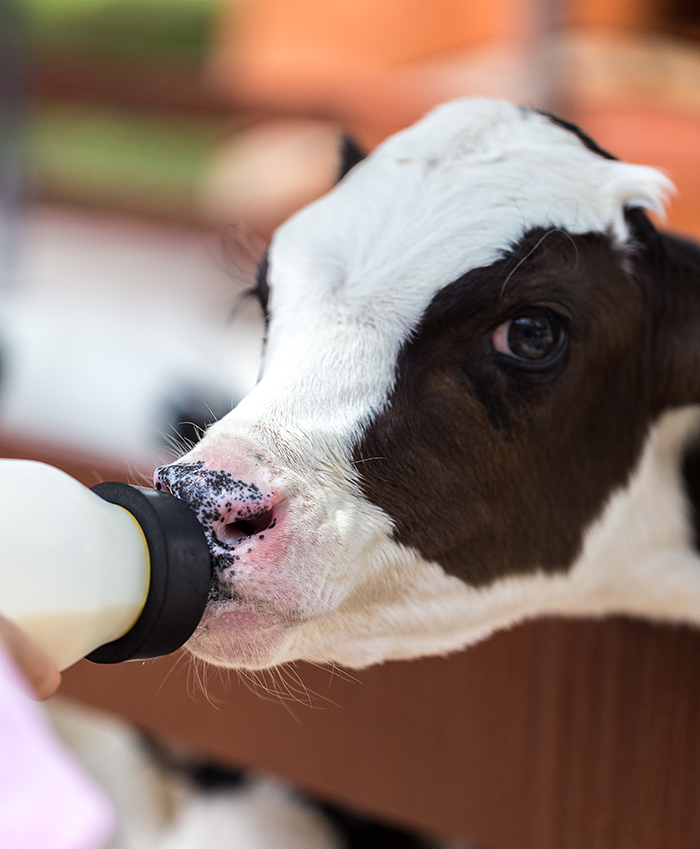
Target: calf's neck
478	404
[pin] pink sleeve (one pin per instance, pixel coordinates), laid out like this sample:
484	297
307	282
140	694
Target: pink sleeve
46	802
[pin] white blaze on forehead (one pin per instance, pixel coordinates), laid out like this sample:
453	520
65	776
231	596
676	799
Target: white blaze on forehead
352	273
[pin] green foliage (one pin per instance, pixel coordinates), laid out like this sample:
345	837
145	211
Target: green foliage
121	29
121	158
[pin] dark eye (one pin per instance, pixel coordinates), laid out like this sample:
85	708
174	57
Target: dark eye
533	338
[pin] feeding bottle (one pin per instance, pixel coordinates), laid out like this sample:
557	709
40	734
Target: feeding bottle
113	573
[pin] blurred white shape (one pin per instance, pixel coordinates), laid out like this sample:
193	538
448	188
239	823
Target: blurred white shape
267	172
113	326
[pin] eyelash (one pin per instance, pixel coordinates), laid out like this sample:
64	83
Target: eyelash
261	290
261	298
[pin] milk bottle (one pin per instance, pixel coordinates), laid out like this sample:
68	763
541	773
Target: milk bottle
115	573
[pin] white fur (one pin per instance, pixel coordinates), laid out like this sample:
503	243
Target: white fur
264	815
156	807
637	559
352	273
350	277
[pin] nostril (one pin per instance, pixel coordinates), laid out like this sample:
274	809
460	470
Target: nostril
233	509
248	527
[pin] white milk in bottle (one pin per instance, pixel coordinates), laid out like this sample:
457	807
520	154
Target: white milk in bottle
116	573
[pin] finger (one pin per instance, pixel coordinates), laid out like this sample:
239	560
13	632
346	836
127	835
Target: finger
36	666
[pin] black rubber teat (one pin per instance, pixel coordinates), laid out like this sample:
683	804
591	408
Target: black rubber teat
180	574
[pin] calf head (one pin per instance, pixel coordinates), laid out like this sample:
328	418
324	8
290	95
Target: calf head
473	340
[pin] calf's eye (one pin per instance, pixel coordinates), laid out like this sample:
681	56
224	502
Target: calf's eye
533	338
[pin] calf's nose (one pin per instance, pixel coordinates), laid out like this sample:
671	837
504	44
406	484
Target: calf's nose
230	508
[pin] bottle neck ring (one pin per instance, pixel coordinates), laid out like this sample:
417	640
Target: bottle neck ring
180	574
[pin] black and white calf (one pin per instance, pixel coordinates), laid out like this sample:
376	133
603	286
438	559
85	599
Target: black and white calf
475	407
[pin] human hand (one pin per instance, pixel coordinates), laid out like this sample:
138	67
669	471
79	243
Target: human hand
37	667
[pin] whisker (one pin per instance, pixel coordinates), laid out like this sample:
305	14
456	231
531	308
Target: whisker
365	460
263	691
334	669
178	661
199	670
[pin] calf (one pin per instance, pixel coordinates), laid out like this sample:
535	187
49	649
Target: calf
475	406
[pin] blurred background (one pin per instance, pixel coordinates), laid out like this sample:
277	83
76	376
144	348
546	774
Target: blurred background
148	148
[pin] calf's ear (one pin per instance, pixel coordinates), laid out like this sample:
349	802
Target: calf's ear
350	154
674	266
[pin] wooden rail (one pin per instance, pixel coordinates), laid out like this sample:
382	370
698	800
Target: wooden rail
553	735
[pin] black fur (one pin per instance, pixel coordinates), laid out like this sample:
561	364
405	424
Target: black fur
350	155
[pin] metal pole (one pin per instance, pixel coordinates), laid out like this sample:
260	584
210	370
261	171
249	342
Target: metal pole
11	103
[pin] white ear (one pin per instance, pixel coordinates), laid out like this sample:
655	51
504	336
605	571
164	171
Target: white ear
640	186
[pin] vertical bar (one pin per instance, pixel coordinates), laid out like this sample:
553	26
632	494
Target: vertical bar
12	90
